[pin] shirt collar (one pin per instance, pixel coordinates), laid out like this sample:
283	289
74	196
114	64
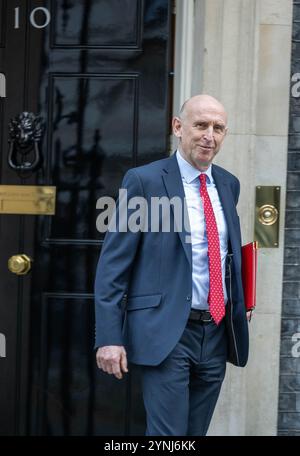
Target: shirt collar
189	172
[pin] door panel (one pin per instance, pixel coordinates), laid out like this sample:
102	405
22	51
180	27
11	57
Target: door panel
98	75
114	24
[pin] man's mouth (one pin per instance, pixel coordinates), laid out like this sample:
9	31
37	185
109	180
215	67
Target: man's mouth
205	147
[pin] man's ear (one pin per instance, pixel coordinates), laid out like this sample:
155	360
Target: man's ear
176	125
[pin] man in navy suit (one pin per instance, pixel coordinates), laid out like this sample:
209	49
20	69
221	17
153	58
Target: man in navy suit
167	279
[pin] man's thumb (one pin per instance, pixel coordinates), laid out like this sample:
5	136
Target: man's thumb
124	362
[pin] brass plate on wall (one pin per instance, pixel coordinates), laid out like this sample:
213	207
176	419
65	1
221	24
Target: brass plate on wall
267	210
27	199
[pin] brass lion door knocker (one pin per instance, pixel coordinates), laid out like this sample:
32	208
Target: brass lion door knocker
25	134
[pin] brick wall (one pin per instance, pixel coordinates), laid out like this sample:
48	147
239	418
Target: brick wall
289	389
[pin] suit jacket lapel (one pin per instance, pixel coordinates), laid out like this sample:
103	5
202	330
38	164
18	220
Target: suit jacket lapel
226	199
174	187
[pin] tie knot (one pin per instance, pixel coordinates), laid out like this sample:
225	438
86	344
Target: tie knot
203	179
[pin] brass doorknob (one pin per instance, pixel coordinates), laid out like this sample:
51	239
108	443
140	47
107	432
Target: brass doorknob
267	214
19	264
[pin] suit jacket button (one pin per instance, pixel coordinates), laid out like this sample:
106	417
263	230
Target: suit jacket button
188	298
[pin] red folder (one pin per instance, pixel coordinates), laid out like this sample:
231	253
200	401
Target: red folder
249	270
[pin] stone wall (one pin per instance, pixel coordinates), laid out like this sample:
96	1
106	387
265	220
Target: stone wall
289	389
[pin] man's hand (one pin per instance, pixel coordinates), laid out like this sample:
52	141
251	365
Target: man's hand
112	359
249	315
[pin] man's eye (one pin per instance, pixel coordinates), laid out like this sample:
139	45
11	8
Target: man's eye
219	128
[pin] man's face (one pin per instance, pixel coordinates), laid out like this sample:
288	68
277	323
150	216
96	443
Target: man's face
201	130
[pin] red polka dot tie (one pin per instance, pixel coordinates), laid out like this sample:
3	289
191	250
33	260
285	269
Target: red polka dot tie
216	294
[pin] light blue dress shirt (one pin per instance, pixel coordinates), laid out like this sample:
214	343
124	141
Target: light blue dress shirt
200	272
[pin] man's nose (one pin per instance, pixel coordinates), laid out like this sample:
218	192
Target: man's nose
209	133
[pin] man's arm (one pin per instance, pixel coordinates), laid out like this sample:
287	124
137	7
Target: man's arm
112	277
236	190
237	194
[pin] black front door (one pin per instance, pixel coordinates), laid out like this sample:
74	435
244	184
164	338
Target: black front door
96	73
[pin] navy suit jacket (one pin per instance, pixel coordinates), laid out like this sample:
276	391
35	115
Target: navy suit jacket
143	285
